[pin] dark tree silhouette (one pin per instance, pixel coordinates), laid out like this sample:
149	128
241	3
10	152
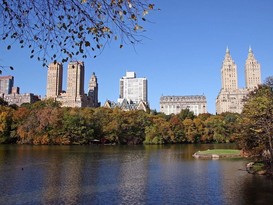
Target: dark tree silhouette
62	29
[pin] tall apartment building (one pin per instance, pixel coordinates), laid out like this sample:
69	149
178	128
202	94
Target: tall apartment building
133	89
93	90
229	73
6	84
252	71
54	80
174	104
75	79
74	95
230	97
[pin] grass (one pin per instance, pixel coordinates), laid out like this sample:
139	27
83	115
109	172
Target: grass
220	152
258	166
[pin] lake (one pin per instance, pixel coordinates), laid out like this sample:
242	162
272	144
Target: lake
126	175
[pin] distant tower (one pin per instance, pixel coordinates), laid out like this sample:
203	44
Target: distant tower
75	79
252	71
229	73
93	90
54	80
6	84
133	89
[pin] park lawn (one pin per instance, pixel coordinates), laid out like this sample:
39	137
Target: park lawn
220	152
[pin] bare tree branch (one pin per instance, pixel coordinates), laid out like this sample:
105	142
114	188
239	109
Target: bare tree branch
63	29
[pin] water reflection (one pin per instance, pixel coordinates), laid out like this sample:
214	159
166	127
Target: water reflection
125	175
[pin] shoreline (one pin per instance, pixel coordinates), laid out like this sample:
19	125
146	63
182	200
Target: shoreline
217	154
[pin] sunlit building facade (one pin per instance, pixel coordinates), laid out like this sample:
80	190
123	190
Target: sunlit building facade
74	96
54	80
230	97
174	104
133	89
6	84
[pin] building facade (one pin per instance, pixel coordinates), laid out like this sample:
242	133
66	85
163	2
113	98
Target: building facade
229	73
54	80
6	84
252	71
12	95
126	105
74	95
230	97
174	104
93	91
133	89
19	99
75	79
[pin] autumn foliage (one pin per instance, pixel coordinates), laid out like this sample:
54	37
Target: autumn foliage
45	122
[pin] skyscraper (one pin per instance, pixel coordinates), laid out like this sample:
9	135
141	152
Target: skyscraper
74	95
6	84
93	90
229	73
252	71
230	97
75	79
133	89
54	80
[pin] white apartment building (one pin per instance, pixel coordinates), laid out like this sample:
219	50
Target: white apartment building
133	89
174	104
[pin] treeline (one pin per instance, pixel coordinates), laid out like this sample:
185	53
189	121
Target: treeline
45	122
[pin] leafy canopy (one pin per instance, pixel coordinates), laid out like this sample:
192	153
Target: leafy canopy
256	126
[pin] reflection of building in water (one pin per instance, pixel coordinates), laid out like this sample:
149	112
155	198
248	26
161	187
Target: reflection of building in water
64	179
133	177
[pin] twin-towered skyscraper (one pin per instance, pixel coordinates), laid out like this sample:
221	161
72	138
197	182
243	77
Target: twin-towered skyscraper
230	97
74	95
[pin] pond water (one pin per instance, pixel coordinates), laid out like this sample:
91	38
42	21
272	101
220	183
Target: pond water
126	175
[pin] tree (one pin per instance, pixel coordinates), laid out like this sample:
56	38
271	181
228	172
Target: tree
3	102
269	81
4	67
5	123
186	114
71	28
257	124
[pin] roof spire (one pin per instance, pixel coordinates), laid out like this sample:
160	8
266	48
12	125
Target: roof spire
227	50
250	49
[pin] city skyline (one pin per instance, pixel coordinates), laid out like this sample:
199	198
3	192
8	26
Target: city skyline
181	54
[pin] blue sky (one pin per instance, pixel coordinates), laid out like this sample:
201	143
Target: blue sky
181	54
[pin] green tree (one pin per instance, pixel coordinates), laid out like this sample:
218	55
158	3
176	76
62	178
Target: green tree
3	102
71	27
158	132
256	126
186	114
